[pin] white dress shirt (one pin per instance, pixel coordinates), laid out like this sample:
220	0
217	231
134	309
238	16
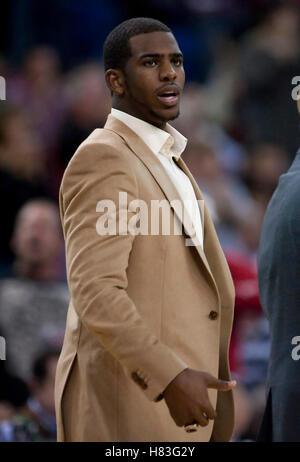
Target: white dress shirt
166	144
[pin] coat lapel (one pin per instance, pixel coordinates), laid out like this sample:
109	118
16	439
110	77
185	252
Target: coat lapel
215	258
198	194
141	150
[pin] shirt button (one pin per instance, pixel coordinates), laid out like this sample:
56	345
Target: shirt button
213	315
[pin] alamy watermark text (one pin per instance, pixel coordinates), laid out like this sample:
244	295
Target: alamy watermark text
2	88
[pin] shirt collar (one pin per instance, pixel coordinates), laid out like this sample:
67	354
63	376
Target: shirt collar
168	142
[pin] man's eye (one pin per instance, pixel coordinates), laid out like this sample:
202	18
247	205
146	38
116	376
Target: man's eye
177	61
150	63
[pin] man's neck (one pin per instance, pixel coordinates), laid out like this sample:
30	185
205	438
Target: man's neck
120	107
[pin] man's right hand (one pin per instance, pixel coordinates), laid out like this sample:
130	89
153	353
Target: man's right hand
187	397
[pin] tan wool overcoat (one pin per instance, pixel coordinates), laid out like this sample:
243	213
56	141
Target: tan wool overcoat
143	307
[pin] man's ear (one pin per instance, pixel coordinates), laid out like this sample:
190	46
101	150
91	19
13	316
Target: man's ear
115	81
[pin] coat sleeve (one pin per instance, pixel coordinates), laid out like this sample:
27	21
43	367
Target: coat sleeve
97	267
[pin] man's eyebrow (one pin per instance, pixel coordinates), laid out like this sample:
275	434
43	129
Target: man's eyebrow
158	55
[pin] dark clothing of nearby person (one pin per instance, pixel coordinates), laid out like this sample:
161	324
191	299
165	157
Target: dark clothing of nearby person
279	276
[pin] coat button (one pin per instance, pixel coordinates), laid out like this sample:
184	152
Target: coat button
141	382
213	315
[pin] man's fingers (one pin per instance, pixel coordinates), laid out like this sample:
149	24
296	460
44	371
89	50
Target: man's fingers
203	420
209	410
200	419
179	422
226	386
221	385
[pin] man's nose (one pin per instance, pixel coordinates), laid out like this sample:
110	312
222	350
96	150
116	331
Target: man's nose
167	72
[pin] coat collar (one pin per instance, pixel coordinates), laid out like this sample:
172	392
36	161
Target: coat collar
158	140
143	152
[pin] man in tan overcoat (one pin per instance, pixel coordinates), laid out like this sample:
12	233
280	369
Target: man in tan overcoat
145	354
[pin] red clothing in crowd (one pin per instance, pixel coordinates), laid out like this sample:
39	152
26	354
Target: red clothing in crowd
244	275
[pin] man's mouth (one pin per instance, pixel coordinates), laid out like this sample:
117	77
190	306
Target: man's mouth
169	95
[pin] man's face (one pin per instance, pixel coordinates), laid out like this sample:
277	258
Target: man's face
154	78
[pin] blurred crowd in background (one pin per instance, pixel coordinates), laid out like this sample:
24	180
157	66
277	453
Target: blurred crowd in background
243	129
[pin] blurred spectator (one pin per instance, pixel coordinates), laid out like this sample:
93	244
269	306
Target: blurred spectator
247	304
255	350
249	346
6	411
89	104
223	82
250	340
269	59
37	242
247	232
265	163
38	86
200	122
76	28
243	415
35	421
21	171
33	305
227	197
13	391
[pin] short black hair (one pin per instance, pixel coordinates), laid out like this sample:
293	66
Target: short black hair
116	49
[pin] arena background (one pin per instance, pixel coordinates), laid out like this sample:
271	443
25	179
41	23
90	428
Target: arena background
243	129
